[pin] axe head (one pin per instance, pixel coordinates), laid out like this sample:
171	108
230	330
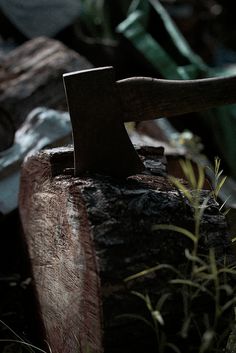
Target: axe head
101	143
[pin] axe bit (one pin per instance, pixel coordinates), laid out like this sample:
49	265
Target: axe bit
99	106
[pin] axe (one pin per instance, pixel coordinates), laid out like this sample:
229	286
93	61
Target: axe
99	106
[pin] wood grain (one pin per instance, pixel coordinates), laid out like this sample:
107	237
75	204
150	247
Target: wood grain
86	234
145	98
31	76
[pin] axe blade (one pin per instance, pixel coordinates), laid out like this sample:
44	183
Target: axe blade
101	143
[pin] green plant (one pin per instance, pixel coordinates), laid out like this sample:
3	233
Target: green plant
96	25
218	182
20	342
204	281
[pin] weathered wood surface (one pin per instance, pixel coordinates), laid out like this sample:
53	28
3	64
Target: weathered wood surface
31	76
145	98
86	234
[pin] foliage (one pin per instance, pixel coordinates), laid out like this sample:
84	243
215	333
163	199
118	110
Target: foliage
18	345
95	19
96	24
206	294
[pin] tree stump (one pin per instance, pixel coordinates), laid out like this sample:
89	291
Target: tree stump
85	235
31	76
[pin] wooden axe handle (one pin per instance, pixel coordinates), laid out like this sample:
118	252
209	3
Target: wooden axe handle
147	98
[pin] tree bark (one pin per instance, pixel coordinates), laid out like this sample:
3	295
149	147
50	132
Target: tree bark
85	235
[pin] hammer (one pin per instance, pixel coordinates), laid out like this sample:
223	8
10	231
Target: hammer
99	106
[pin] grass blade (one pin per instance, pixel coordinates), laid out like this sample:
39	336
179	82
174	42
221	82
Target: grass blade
176	229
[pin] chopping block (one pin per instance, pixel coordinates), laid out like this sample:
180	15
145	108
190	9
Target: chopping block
86	234
88	213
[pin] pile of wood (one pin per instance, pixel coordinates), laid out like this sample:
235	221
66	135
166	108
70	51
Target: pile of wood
31	76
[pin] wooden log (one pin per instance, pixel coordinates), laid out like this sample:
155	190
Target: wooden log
31	76
86	234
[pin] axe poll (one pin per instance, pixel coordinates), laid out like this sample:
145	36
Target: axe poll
99	106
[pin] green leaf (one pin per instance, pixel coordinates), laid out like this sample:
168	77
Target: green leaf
141	6
213	264
176	229
187	168
173	347
145	298
227	288
189	283
231	271
148	303
227	305
197	259
217	165
133	29
201	177
150	270
181	188
20	340
28	345
219	185
177	37
198	270
203	288
139	295
162	301
185	327
207	339
158	317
